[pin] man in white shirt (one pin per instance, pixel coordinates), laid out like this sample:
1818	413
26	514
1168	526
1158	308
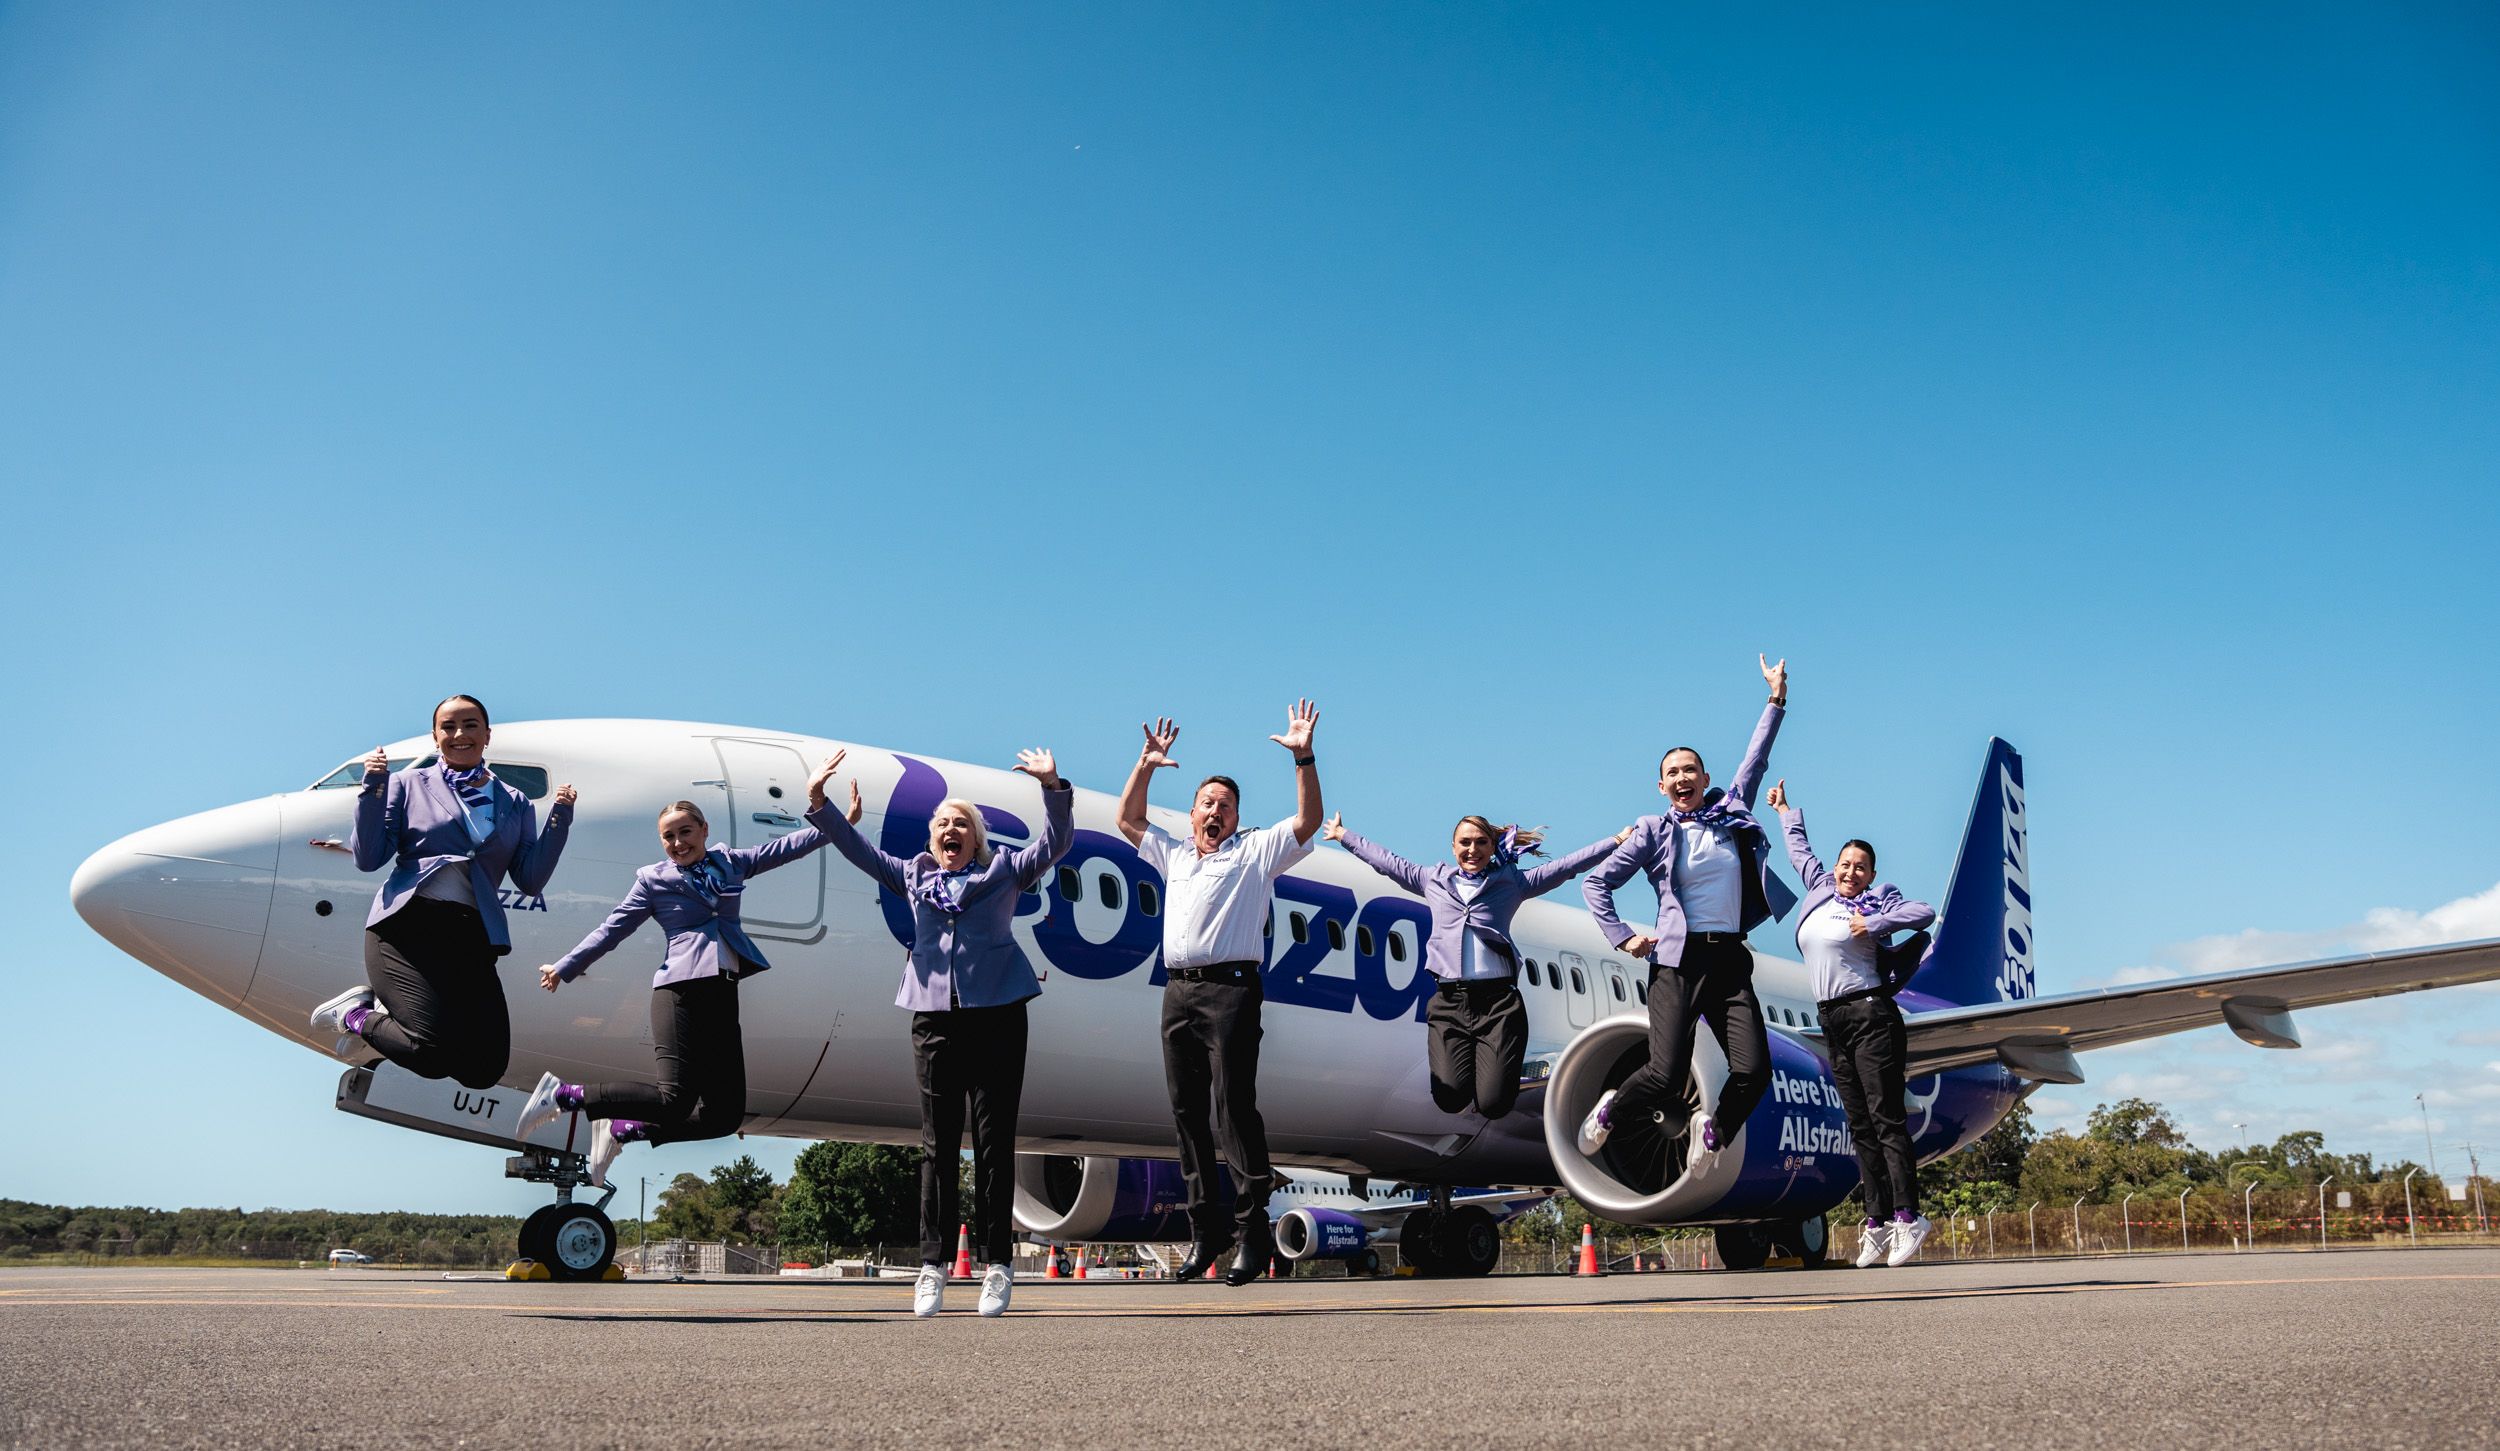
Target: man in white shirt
1219	889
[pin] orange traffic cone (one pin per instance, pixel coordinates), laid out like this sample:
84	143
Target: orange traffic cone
1080	1262
1051	1253
963	1251
1588	1251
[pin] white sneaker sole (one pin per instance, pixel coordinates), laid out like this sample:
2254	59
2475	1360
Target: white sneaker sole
1593	1130
331	1016
541	1108
1871	1251
1905	1246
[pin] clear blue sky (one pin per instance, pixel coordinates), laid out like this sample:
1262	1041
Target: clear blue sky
2122	382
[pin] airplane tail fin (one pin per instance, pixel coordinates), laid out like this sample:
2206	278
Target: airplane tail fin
1982	951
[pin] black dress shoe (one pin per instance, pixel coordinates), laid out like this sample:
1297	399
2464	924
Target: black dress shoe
1201	1255
1251	1262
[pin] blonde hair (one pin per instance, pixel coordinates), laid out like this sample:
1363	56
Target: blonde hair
1530	838
687	807
980	828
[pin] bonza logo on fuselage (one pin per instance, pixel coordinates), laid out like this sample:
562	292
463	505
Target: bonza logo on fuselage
2015	978
1335	918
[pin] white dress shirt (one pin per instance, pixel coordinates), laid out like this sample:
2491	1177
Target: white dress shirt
1216	906
1836	962
1709	878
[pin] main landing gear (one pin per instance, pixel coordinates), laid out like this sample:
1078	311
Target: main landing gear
1751	1246
1440	1240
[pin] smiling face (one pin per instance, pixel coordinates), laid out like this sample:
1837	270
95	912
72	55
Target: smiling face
1472	847
1854	872
1214	816
683	836
1682	780
460	732
955	835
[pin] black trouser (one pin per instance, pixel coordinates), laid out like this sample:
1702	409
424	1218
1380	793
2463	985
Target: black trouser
434	971
975	1054
1868	1043
702	1088
1477	1038
1211	1061
1714	981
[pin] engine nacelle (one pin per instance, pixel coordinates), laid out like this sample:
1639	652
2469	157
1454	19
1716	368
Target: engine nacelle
1322	1234
1065	1198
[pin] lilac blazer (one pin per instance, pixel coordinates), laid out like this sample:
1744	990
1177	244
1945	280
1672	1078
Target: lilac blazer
414	821
704	939
1896	914
1650	850
970	958
1496	902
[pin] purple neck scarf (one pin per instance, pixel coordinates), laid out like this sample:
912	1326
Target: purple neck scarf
471	785
709	881
938	891
1869	902
1720	809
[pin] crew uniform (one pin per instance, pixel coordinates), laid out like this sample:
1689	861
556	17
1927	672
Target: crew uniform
1711	870
436	926
1215	916
1476	1025
701	1092
966	981
1862	1024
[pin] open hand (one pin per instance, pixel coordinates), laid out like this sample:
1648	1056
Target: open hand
824	773
1299	722
1776	676
1159	739
1335	829
548	977
852	816
1041	766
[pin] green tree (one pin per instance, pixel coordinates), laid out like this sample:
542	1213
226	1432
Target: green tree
686	1210
741	1193
853	1195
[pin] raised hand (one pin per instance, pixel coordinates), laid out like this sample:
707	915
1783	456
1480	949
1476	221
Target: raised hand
1776	676
853	815
1778	799
1041	766
1335	829
547	977
566	795
824	773
1159	738
1299	723
379	763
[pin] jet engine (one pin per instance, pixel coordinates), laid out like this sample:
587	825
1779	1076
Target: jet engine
1066	1198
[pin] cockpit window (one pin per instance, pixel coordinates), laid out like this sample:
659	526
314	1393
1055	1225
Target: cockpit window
530	781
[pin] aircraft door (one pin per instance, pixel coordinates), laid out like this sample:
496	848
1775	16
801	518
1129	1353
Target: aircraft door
1579	990
767	786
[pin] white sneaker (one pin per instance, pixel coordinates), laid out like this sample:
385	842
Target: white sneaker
1906	1238
1871	1245
603	1151
1594	1128
331	1016
1699	1158
929	1291
995	1287
541	1108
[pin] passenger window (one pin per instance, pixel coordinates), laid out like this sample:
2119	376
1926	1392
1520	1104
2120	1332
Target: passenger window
1110	888
1579	984
1640	990
1336	935
530	781
1267	928
1397	945
1149	901
352	774
1614	984
1301	927
1363	940
1071	884
1533	979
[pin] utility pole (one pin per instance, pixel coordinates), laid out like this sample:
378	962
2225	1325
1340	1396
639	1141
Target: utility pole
2426	1134
2474	1176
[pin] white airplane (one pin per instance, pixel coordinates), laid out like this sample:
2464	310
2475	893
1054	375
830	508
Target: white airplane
256	908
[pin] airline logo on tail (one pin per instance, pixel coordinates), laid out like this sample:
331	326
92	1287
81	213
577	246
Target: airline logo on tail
2015	980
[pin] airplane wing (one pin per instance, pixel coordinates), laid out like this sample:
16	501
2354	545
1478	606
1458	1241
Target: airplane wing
1500	1204
2038	1038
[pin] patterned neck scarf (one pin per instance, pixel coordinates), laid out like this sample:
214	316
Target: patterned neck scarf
938	890
1720	809
1868	903
471	784
709	881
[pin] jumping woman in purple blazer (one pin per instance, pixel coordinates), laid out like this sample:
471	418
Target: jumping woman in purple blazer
1476	1024
1840	935
450	832
695	892
966	981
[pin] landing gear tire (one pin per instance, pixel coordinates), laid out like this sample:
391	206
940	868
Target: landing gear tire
1809	1239
1416	1247
1366	1263
1469	1242
574	1241
1742	1246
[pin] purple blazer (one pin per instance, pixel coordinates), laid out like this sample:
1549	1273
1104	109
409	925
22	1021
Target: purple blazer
705	938
970	958
1496	902
414	821
1650	850
1896	914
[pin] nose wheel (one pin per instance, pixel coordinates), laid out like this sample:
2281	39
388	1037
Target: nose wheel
574	1241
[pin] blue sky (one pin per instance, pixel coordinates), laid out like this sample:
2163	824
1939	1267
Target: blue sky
2123	383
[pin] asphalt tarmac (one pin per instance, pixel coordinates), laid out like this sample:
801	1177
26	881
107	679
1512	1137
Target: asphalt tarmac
2394	1348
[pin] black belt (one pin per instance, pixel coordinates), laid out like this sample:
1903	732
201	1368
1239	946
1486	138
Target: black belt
1458	987
1234	972
1715	939
1861	995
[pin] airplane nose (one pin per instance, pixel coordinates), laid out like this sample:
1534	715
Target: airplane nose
189	898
